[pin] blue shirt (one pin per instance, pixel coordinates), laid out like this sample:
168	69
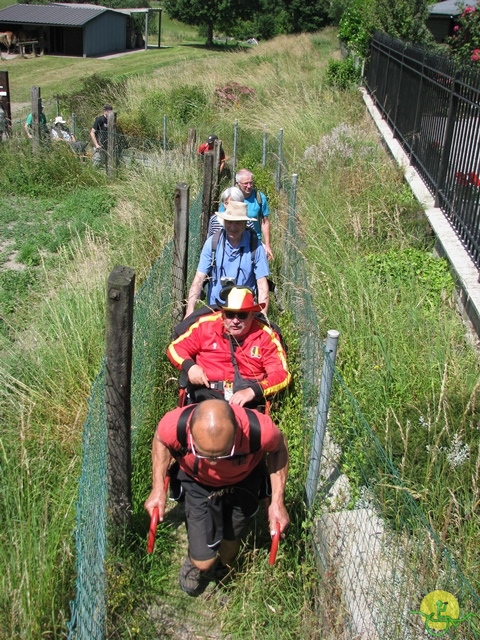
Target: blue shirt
233	262
253	209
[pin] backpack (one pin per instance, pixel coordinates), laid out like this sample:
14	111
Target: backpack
221	233
258	197
254	435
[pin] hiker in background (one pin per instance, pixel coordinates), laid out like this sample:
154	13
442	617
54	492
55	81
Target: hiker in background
257	207
43	129
230	458
99	136
61	133
208	146
215	223
232	260
231	354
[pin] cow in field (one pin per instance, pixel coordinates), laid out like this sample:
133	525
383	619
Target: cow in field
8	39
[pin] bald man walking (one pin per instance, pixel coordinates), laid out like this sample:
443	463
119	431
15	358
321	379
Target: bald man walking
227	459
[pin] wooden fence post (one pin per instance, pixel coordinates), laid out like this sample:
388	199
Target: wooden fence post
217	153
38	130
118	373
192	141
180	251
208	171
110	160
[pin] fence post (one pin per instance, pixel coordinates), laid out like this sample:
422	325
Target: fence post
322	414
38	129
180	251
208	170
264	146
191	141
164	131
234	160
74	124
449	128
118	372
278	180
111	143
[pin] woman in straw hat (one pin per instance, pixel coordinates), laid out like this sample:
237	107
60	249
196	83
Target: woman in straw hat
235	260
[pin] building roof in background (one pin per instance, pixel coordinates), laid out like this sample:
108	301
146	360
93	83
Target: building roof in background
64	15
450	7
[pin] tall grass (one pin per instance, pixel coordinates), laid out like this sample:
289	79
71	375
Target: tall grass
46	371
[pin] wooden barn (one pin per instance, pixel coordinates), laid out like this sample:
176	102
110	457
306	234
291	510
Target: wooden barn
67	29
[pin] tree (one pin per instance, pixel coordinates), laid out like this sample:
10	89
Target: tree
306	15
211	14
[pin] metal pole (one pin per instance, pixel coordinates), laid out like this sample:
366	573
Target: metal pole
278	182
164	131
322	414
73	124
264	147
146	30
291	211
234	161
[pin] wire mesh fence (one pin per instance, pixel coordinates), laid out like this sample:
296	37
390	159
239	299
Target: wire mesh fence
378	557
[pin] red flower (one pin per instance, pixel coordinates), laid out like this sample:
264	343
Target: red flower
468	10
476	55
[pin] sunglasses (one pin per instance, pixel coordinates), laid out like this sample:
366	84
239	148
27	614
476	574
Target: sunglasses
203	457
241	315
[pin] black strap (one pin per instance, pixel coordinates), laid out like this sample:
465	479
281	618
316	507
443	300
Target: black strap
258	196
182	431
254	430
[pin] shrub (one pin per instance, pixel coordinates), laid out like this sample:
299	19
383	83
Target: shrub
232	95
342	74
465	42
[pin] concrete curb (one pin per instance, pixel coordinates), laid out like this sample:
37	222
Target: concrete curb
448	244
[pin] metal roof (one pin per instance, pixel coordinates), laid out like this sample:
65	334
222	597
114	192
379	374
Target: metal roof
64	15
450	7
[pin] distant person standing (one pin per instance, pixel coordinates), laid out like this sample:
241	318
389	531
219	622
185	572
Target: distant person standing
99	136
42	121
208	146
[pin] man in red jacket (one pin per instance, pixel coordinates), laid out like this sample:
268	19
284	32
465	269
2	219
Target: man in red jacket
232	355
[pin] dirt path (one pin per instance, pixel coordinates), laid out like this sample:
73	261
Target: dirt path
179	616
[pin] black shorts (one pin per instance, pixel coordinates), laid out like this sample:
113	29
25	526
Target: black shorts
214	514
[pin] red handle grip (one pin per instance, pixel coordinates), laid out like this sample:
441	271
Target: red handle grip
153	531
274	546
154	522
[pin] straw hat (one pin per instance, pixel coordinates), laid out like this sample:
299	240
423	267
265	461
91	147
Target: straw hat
238	299
234	211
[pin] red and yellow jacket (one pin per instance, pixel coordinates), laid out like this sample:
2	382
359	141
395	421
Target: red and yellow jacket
260	356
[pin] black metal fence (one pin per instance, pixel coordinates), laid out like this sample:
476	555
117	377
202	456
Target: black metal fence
433	109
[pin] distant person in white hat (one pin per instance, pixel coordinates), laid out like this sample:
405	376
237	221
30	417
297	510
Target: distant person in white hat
60	131
236	258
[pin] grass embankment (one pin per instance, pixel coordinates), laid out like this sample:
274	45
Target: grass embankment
403	350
